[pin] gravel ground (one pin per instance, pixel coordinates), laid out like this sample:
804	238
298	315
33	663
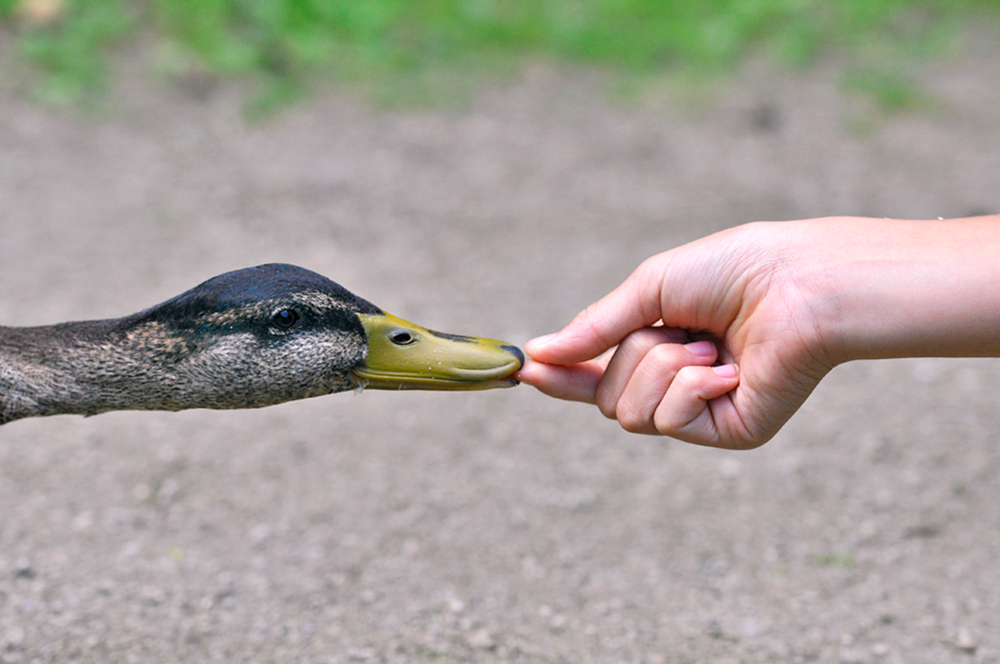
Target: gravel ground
500	526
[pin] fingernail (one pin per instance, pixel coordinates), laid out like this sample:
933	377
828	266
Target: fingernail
703	348
542	340
727	370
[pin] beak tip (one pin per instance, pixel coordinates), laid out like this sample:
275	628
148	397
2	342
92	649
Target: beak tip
516	352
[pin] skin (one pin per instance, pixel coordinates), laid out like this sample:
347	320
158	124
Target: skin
718	342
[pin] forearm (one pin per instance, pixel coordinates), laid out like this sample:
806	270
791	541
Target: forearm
892	288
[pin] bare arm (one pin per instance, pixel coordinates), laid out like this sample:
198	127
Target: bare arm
719	341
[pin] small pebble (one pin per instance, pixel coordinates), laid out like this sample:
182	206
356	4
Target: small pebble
83	520
482	639
23	570
965	642
260	533
142	492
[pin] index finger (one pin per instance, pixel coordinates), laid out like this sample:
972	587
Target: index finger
577	382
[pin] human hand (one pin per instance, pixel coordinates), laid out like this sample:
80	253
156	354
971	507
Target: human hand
717	341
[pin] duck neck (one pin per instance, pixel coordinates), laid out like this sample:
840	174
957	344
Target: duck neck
80	368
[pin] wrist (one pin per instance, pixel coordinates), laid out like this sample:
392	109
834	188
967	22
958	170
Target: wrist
893	288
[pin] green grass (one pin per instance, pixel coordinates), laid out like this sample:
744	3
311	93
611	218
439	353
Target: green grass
845	560
422	42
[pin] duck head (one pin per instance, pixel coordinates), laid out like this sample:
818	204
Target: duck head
278	332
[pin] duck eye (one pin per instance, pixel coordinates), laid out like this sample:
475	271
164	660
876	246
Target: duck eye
285	318
401	337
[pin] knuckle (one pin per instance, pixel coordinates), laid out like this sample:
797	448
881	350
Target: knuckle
649	273
663	354
607	403
648	344
666	430
631	419
637	342
606	398
666	422
586	317
687	377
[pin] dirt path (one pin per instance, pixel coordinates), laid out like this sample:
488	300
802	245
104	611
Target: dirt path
500	526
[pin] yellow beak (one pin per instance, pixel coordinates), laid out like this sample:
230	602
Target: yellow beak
404	356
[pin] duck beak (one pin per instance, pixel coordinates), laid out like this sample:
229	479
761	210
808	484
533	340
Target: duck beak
404	356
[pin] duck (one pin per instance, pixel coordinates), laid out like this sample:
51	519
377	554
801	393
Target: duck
244	339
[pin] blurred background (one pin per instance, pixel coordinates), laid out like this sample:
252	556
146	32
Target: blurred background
486	168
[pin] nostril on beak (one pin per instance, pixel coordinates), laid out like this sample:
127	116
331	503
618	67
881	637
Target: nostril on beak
516	352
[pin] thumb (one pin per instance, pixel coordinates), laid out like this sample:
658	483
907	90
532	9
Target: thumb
635	304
